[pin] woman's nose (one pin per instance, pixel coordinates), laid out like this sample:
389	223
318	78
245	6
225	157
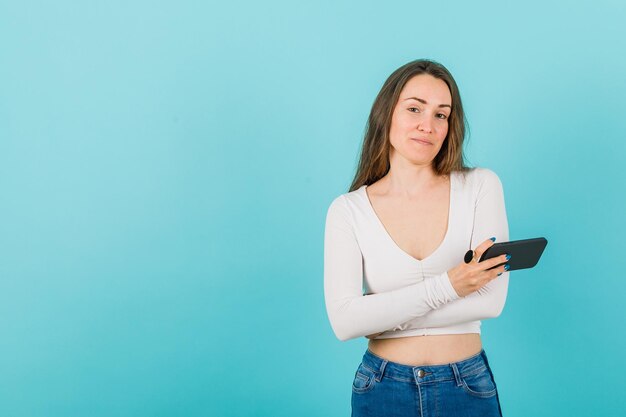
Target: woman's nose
424	125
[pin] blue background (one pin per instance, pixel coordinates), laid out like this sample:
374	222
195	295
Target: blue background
165	170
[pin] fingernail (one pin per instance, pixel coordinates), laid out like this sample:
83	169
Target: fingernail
506	267
493	239
508	257
500	274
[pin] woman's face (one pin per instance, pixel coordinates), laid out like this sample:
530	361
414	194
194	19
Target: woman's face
419	123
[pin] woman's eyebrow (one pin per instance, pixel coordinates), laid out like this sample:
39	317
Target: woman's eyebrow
425	102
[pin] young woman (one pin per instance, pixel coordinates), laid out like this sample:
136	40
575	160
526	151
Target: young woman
401	234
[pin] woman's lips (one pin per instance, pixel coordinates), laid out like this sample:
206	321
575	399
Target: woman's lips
422	141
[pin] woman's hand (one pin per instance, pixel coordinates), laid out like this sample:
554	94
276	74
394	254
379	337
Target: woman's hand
469	277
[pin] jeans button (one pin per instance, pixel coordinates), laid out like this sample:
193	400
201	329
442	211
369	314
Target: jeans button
421	373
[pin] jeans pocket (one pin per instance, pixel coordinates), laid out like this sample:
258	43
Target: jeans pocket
479	384
364	379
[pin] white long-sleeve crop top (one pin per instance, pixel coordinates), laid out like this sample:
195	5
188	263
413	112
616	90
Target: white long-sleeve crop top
373	288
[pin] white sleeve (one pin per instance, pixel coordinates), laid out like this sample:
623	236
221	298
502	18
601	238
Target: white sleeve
353	314
490	220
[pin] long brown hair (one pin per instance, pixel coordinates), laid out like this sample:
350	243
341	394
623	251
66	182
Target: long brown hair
374	159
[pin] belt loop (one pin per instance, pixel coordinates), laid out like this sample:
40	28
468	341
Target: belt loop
484	355
457	376
381	370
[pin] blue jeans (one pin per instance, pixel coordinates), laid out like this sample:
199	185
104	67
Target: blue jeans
382	388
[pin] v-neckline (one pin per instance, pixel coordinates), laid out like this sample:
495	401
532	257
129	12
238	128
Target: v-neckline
393	242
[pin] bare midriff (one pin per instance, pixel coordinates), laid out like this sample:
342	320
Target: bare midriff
427	350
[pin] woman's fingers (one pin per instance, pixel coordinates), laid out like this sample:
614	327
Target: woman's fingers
478	252
490	263
470	276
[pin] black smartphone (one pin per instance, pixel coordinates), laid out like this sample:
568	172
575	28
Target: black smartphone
524	253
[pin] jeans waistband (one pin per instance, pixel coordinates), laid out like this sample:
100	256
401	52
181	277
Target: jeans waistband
426	373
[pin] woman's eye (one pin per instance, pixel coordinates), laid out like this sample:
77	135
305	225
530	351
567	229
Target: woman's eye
411	109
